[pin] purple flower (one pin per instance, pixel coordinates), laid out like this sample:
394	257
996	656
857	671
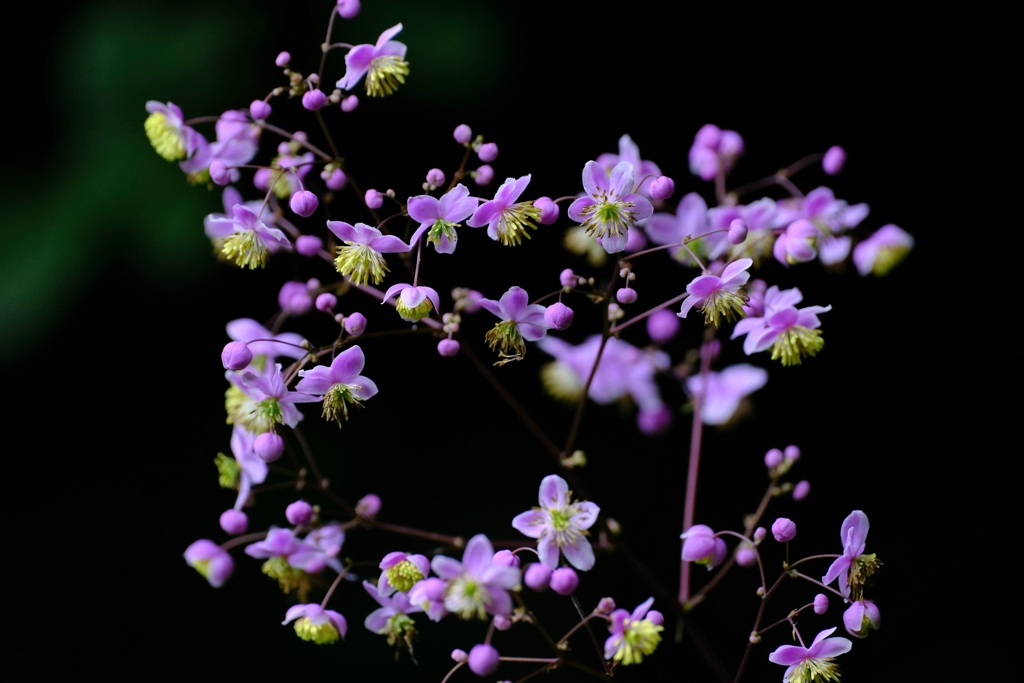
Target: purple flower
211	561
236	145
852	567
391	618
338	385
316	624
361	257
400	571
723	392
700	545
883	250
812	663
521	322
383	64
265	400
719	296
634	635
247	240
791	332
507	219
611	206
476	585
560	526
263	342
862	616
167	132
414	303
441	216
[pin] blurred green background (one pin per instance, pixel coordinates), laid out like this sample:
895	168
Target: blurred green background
113	306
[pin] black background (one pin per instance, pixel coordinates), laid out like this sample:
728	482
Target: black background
115	310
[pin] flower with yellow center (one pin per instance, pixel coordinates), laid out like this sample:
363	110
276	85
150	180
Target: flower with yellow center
383	65
633	635
167	132
610	207
316	624
361	258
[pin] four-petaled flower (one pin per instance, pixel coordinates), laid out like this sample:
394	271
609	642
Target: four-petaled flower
719	296
611	207
441	216
361	258
339	384
559	525
476	586
812	664
507	219
521	322
633	635
246	240
383	64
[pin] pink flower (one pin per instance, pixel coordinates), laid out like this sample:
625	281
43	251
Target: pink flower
812	663
719	296
559	525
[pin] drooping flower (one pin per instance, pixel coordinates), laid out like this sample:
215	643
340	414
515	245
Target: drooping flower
521	322
361	257
559	525
714	151
414	303
701	545
853	567
792	333
247	240
400	571
392	618
167	131
882	251
812	664
338	384
861	617
211	561
476	586
236	144
440	216
316	624
719	297
276	549
634	635
383	64
506	218
611	206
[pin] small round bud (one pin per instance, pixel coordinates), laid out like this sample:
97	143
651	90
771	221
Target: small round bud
505	558
483	175
283	59
355	324
304	203
655	617
784	529
268	446
337	180
802	488
348	9
834	160
792	453
568	278
234	521
759	534
662	326
548	210
259	110
564	580
448	347
625	295
558	315
537	576
236	355
662	187
350	103
501	623
483	659
606	605
820	603
459	655
294	298
299	512
488	152
737	231
435	177
369	505
308	245
463	134
326	302
314	99
773	458
374	199
745	556
219	172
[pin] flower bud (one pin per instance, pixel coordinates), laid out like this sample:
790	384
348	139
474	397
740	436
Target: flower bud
448	347
773	458
483	659
505	558
564	580
314	99
483	175
283	59
737	231
236	355
558	315
326	302
268	446
537	576
463	134
234	521
294	298
820	603
746	555
568	278
304	203
355	324
488	152
219	173
299	512
783	529
625	295
662	326
435	177
834	160
459	655
369	505
308	245
662	187
348	9
259	110
350	103
501	623
802	488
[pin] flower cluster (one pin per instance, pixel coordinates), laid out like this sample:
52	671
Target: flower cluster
361	278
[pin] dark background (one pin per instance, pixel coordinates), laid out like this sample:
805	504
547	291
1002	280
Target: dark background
113	313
